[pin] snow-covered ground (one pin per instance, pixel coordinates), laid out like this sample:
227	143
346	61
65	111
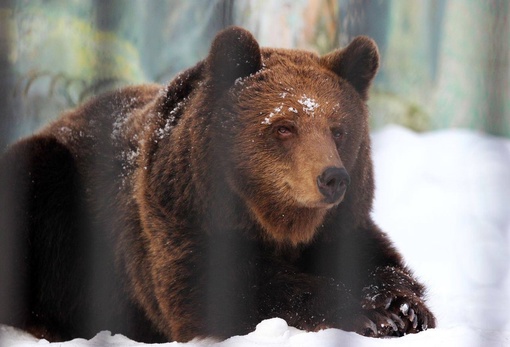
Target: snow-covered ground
444	197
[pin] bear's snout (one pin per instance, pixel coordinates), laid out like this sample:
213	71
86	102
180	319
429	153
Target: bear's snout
332	183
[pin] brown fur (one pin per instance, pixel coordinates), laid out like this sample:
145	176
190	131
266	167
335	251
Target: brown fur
207	192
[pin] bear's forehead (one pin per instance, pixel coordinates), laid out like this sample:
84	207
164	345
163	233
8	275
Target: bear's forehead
293	96
293	70
293	84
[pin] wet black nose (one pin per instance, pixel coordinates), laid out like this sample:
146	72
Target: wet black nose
332	183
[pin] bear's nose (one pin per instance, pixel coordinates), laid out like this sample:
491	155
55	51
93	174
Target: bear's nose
332	183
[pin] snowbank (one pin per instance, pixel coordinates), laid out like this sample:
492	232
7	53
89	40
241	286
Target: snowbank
444	197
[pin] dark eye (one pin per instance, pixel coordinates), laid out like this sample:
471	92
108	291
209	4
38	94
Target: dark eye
283	131
338	134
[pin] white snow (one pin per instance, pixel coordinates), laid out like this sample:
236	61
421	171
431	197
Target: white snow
404	308
443	197
276	110
267	120
309	104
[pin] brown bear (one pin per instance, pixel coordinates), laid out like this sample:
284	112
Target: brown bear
239	192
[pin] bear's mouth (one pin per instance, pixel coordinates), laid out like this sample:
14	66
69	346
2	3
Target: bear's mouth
325	203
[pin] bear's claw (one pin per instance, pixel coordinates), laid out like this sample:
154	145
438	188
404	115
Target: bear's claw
398	321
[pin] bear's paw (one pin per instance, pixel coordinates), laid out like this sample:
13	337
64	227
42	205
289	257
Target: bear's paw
394	305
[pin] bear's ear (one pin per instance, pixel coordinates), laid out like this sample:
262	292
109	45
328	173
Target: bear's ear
357	63
234	53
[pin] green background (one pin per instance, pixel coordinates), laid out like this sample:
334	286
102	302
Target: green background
445	63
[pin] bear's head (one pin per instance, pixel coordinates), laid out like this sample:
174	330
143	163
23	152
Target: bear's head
293	130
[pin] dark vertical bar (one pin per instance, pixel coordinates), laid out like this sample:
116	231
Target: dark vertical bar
11	284
226	12
365	17
101	280
437	11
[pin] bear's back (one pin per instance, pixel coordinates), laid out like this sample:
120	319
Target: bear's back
102	123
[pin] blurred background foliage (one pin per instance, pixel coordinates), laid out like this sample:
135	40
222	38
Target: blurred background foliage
445	63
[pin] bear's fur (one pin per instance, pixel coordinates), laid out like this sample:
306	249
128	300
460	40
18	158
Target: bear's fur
203	207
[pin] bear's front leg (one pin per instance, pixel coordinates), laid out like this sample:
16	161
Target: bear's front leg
252	287
308	302
391	302
391	306
229	286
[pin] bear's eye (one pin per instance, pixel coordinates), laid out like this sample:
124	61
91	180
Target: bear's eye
338	134
283	131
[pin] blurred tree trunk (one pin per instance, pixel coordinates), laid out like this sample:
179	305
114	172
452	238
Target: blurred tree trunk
498	70
9	107
474	73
